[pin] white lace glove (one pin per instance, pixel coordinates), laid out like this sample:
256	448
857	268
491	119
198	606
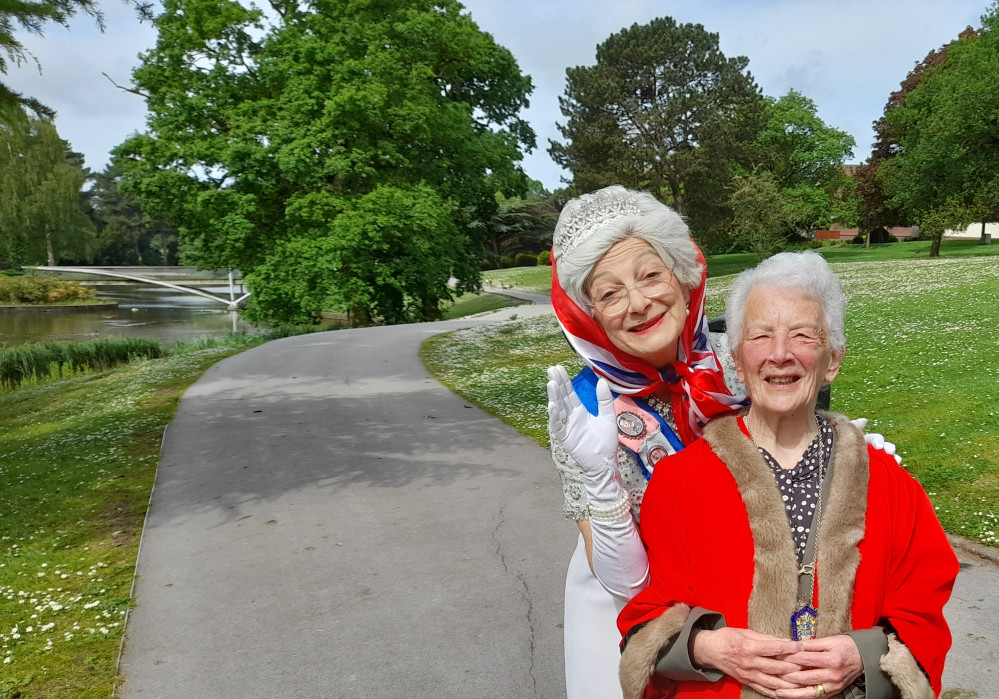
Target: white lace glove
589	439
876	440
619	560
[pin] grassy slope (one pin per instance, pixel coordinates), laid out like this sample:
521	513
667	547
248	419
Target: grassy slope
77	459
470	304
920	345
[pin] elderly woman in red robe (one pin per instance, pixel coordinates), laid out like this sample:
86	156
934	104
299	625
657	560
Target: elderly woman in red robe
787	558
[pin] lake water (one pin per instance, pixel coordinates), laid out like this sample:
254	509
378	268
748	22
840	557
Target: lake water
143	311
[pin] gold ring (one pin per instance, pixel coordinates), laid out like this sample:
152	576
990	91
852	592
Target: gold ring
820	690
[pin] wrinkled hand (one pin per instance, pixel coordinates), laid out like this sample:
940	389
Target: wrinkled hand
589	439
876	440
754	659
834	662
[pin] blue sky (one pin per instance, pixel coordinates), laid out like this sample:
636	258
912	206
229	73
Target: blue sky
846	55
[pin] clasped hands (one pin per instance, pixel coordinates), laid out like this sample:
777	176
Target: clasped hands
777	667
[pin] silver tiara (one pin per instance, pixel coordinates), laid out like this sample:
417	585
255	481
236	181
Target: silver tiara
587	213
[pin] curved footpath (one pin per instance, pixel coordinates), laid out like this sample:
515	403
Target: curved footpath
329	521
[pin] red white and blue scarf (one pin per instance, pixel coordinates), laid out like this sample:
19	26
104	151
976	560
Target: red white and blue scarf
695	380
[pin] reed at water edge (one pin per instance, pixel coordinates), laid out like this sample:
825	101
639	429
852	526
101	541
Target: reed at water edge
28	363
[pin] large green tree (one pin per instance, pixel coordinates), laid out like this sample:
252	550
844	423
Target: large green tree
804	159
945	173
345	154
662	109
875	209
41	217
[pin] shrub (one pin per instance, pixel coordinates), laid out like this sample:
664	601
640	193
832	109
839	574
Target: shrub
33	361
525	259
506	262
881	235
28	289
545	258
858	240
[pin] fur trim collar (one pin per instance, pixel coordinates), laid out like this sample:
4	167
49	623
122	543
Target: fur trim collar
775	578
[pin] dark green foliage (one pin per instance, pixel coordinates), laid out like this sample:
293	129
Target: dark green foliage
521	225
857	240
125	235
30	289
880	235
945	170
525	259
763	215
345	157
37	360
507	262
662	110
545	258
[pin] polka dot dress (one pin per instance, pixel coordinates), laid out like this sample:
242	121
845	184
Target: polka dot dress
799	487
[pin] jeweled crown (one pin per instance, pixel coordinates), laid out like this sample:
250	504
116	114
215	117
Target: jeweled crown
587	213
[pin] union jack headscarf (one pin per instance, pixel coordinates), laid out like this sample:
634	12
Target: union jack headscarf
695	380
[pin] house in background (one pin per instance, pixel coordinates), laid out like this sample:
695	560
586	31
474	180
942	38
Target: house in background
974	232
900	233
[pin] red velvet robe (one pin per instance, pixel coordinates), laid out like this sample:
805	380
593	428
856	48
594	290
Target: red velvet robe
718	537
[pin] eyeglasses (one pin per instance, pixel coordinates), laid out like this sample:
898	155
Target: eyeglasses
613	301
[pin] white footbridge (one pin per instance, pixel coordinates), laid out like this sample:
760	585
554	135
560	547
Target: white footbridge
231	304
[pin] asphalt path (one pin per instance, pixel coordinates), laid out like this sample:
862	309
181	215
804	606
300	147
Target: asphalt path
329	521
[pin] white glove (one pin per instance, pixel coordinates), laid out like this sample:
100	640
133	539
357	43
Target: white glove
619	561
591	440
876	440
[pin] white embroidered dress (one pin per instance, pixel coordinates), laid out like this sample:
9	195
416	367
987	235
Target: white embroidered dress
591	637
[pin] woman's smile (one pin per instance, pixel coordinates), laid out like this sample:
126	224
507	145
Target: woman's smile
648	326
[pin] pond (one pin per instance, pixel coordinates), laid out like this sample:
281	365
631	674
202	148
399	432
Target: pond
143	311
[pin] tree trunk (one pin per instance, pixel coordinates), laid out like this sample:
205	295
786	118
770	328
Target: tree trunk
982	240
163	247
935	245
676	190
48	248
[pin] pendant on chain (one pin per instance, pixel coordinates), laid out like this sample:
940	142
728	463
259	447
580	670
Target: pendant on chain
803	623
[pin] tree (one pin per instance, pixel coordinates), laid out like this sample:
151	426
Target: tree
874	209
804	159
271	146
125	235
521	224
41	218
945	174
663	110
763	215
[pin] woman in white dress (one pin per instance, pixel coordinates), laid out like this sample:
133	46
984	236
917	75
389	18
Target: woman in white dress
628	291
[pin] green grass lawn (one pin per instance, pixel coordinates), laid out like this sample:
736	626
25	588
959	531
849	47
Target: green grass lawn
534	279
470	304
77	462
920	365
539	280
